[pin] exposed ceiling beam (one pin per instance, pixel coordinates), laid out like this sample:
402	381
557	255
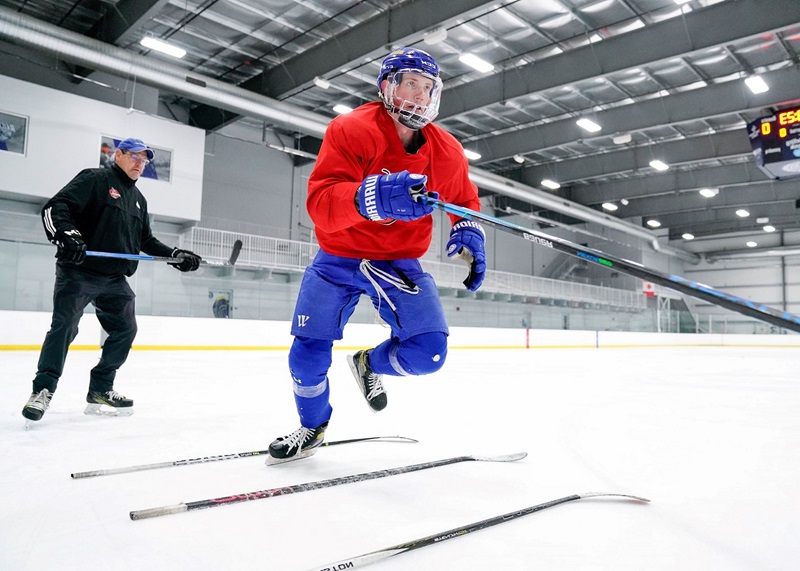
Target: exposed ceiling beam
631	159
119	23
697	104
405	23
709	27
123	19
671	182
75	48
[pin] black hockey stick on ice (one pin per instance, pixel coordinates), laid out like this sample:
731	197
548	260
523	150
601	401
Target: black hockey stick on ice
374	556
205	459
297	488
694	289
237	248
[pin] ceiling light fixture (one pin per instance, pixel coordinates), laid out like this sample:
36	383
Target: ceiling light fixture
752	244
709	192
659	165
625	202
687	236
769	228
471	155
588	125
342	109
519	159
653	223
756	84
742	213
322	83
435	36
610	206
475	62
622	138
679	2
552	185
598	6
163	47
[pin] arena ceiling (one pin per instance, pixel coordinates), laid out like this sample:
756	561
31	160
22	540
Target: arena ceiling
663	79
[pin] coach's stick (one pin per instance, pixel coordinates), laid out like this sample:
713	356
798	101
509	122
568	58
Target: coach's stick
237	248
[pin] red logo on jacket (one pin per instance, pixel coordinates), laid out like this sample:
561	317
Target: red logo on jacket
113	192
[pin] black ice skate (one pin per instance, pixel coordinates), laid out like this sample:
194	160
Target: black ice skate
119	405
301	443
369	382
36	405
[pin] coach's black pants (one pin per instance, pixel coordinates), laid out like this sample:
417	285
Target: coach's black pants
113	300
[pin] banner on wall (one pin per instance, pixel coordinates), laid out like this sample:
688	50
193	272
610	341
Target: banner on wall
160	168
13	132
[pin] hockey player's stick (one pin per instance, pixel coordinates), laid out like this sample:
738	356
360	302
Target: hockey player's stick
297	488
694	289
374	556
205	459
237	248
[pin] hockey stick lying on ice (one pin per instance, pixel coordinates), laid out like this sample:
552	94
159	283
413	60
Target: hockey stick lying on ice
694	289
237	248
204	459
374	556
297	488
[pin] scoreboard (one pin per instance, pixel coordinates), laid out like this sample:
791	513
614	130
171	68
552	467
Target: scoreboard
775	141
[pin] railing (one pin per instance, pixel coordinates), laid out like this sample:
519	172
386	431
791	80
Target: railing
294	256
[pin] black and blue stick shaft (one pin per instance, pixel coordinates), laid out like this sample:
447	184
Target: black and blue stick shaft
694	289
237	248
374	556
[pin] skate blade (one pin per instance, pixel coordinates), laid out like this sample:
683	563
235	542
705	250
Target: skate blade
271	461
29	423
98	410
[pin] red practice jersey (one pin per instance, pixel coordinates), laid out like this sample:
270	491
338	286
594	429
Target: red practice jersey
364	142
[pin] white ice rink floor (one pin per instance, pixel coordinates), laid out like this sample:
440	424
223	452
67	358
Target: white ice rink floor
710	435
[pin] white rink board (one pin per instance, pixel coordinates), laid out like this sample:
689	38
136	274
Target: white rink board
28	328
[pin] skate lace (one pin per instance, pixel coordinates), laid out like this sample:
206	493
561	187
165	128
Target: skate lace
375	386
42	398
114	395
373	380
298	438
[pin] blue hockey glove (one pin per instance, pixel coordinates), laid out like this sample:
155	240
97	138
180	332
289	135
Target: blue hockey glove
467	241
185	260
71	247
381	197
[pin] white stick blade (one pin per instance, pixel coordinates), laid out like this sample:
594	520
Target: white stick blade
611	495
502	458
156	512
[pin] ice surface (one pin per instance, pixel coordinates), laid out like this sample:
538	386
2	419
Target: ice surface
710	435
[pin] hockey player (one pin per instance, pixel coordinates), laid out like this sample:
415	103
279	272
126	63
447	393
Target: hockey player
102	209
371	232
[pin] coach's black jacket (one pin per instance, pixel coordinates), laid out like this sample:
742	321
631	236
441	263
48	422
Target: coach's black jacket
111	215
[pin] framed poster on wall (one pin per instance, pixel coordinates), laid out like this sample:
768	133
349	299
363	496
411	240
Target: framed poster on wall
160	168
13	133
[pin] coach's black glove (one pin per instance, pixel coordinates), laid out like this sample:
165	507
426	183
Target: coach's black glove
71	247
186	261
